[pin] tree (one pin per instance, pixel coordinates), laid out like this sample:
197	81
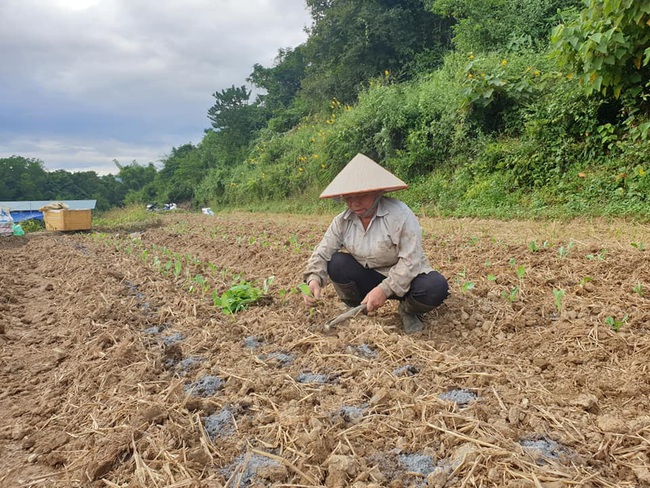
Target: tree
182	171
135	177
500	25
21	178
354	41
236	119
282	81
608	47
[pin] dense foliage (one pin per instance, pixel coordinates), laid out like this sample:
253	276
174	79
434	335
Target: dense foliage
487	107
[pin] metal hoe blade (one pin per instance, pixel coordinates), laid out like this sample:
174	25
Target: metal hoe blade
353	312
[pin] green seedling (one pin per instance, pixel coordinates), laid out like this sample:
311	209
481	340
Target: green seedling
238	297
638	245
564	251
487	263
267	283
614	323
521	271
511	295
512	261
638	288
558	293
585	280
305	290
178	268
532	245
467	286
600	256
200	281
491	277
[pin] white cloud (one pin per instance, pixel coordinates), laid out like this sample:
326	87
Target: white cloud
75	155
129	74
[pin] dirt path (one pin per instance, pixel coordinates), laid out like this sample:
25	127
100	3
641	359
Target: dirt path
117	369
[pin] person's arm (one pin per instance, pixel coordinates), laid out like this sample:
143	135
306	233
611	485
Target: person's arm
315	274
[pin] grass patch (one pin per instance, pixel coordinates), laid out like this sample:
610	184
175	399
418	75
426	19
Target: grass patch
130	218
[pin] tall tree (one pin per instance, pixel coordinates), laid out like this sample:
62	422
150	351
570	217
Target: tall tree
21	178
282	81
499	25
281	84
236	119
353	41
182	171
134	178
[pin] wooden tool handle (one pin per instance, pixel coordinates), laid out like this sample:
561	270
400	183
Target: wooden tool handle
344	316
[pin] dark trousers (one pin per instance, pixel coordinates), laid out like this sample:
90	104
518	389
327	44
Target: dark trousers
427	288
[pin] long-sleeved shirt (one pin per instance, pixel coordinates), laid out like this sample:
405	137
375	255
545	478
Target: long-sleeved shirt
391	245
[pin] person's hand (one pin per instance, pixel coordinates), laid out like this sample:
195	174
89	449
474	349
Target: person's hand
315	288
375	299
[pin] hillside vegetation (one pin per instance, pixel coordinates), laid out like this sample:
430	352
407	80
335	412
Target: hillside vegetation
490	108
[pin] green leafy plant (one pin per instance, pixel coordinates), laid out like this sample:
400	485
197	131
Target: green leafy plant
178	268
638	288
511	295
606	46
614	323
198	281
585	280
600	256
558	294
521	271
467	286
238	297
564	251
638	245
305	290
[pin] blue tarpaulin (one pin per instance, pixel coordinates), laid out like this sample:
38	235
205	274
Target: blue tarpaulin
27	210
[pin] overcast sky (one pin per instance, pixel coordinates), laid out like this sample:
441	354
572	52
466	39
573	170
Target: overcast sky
84	82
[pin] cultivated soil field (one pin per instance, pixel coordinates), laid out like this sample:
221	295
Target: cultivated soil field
117	369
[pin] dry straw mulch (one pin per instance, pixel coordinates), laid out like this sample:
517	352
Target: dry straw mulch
118	371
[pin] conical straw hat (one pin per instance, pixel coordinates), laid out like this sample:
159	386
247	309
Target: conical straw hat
362	175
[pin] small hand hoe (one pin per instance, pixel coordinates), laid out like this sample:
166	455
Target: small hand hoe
353	312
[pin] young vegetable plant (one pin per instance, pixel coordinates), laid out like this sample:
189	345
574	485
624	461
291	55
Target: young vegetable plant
614	323
600	256
199	281
238	297
521	271
558	293
511	295
467	286
638	288
564	251
305	290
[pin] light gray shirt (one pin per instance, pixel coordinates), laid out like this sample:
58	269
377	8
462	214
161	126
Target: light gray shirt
392	246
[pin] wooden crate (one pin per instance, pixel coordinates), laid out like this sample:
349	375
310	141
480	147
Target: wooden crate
67	219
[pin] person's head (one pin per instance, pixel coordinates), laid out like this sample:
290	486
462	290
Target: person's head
362	203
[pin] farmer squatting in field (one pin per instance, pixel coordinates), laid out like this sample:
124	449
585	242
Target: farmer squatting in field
373	250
